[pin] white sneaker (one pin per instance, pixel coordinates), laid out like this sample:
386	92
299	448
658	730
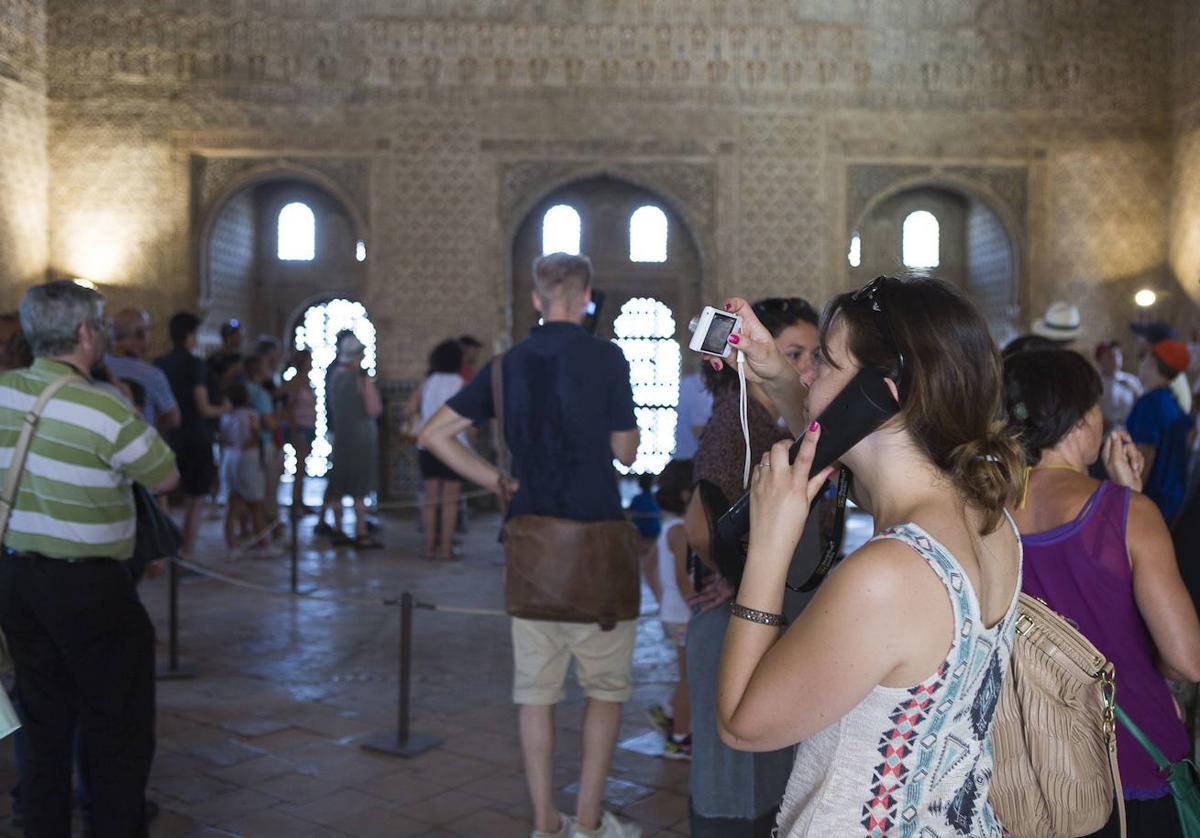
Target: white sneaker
610	827
564	831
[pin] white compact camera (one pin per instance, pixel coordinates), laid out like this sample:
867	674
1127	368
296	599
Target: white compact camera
711	331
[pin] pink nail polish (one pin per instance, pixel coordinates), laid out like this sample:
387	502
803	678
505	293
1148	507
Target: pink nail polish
814	427
715	366
729	306
734	339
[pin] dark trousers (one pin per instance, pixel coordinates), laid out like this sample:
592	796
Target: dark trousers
1145	819
760	827
83	648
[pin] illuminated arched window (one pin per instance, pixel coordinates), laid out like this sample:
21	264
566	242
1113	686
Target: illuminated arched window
920	240
317	332
297	233
645	332
648	235
560	230
854	257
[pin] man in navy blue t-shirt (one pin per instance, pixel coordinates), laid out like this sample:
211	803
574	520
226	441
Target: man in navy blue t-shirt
1161	428
568	410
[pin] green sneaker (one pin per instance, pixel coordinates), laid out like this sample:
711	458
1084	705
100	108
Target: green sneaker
660	719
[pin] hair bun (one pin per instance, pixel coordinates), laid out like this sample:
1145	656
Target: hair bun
988	471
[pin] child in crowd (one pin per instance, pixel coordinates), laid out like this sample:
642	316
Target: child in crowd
644	512
241	466
674	492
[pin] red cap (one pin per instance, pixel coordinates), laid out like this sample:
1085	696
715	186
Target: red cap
1173	353
1104	346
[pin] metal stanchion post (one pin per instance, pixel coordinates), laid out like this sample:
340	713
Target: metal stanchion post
173	671
295	550
403	743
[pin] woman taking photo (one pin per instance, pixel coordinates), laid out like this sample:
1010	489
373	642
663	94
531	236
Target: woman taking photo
1100	554
889	678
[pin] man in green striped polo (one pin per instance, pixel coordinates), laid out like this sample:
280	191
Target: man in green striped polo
81	642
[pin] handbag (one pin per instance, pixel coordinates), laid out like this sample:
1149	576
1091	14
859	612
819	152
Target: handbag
8	499
563	570
1181	777
1053	736
157	536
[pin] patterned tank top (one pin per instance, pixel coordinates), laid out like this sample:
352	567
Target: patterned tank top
912	761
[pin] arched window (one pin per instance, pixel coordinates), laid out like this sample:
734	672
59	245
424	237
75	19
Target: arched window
645	332
854	257
648	235
920	244
560	230
297	233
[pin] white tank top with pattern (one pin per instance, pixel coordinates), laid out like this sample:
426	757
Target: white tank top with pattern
912	761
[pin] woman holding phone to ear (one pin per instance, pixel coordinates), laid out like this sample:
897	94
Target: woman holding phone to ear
889	679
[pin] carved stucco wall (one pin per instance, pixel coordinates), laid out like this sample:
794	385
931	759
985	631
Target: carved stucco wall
23	170
1185	176
759	107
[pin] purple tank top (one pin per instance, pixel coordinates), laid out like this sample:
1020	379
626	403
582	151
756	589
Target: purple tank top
1081	570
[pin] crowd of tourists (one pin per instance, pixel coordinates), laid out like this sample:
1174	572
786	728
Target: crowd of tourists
867	702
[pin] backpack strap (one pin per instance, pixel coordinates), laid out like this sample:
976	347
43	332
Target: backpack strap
498	409
8	498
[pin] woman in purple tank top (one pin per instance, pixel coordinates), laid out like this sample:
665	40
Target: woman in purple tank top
1100	554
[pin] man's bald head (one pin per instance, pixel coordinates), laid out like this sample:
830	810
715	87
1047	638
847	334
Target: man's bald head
131	327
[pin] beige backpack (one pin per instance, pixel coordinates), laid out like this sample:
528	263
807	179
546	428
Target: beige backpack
1053	735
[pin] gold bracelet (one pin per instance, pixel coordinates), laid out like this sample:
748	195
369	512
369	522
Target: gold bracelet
763	618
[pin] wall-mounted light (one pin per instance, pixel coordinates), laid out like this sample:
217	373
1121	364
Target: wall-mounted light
1145	298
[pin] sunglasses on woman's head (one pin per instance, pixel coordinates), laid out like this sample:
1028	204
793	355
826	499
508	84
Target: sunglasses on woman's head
872	295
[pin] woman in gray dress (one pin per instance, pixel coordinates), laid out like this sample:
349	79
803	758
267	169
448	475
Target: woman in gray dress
356	408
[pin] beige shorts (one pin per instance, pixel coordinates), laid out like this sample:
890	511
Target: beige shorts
542	650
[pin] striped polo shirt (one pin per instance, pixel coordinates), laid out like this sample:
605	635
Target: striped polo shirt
75	498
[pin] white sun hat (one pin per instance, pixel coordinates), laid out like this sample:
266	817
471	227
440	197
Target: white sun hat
1061	322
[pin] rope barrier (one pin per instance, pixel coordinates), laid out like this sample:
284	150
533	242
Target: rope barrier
238	582
460	609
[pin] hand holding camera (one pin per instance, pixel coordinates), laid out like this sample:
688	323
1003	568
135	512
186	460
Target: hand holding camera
764	361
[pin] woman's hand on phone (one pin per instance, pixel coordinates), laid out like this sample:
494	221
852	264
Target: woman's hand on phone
781	494
764	361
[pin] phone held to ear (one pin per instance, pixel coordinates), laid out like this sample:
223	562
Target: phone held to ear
864	404
711	331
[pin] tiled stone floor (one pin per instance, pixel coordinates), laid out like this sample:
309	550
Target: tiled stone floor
265	740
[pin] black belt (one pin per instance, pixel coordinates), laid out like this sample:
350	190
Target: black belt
9	552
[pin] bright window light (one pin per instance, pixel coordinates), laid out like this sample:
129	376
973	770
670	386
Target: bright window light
297	233
855	254
920	240
648	235
645	332
561	227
